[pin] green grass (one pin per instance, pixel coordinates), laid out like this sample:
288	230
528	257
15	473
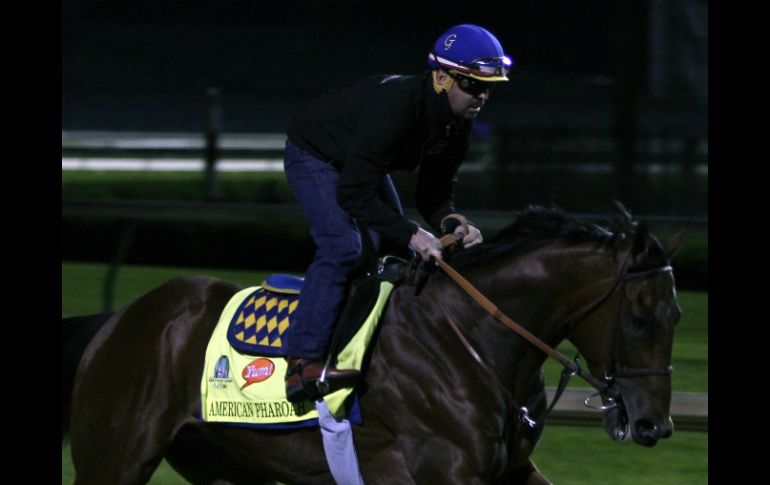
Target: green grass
82	283
587	456
566	455
164	475
574	456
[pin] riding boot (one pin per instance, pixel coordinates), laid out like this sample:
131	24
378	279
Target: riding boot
303	379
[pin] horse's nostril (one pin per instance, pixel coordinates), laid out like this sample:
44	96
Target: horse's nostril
646	429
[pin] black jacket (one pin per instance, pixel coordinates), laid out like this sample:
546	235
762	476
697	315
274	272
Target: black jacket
383	124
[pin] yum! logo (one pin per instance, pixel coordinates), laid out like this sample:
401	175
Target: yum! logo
257	371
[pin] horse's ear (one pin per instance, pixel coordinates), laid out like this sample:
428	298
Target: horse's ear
640	240
675	243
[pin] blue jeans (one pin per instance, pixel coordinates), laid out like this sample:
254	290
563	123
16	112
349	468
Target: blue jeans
339	248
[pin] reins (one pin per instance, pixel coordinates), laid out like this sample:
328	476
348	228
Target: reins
571	368
493	310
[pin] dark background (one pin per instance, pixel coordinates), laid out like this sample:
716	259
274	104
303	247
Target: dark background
145	65
632	75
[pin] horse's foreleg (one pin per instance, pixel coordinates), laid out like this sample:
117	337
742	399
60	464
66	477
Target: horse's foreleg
537	478
525	475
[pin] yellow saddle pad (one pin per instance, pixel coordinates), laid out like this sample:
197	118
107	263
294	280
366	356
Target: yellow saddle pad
248	388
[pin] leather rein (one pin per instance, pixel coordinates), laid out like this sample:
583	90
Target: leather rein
571	368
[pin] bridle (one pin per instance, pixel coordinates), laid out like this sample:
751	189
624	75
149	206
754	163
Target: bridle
608	379
605	386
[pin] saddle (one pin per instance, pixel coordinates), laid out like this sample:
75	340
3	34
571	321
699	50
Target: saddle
242	383
263	317
362	296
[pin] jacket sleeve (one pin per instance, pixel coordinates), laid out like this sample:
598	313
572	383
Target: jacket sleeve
384	125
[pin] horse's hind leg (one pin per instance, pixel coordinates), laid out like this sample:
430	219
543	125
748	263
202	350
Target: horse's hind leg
139	381
120	456
123	448
123	415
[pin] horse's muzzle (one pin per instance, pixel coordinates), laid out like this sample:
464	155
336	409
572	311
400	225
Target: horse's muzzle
616	422
647	434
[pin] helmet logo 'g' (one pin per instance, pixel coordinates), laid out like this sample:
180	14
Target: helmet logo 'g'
451	38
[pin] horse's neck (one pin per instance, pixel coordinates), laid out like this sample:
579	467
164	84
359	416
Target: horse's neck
539	292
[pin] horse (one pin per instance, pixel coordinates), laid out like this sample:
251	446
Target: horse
131	392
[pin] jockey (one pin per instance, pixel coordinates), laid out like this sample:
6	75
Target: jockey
339	153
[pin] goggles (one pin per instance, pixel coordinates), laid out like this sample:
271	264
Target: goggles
491	68
470	85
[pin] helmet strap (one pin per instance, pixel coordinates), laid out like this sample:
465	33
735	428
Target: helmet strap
444	86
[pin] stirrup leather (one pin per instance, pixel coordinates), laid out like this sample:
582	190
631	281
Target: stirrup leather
313	391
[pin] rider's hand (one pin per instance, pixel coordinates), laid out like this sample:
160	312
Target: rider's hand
426	244
472	238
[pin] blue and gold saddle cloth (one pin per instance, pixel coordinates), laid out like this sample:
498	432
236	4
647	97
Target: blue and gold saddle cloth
263	317
243	377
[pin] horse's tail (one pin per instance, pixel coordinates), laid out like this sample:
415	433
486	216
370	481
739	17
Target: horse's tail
75	334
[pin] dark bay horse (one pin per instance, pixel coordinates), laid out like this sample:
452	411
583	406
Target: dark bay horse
431	414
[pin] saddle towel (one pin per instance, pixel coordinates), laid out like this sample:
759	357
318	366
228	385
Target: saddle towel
245	386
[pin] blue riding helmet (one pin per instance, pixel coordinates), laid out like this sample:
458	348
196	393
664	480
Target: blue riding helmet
472	51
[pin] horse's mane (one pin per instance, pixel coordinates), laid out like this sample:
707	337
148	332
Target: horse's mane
537	226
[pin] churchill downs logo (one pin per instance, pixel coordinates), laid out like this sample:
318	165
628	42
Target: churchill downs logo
221	374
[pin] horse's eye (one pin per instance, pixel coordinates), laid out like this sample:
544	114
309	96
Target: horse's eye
638	323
